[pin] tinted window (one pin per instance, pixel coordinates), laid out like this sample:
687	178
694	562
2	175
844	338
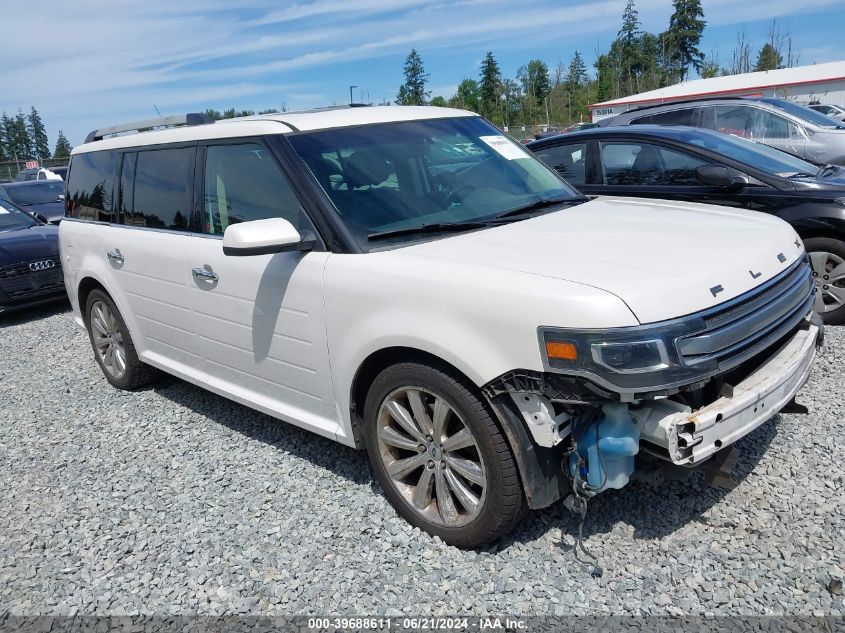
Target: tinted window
37	193
675	117
646	164
11	219
91	187
244	183
763	157
567	160
162	195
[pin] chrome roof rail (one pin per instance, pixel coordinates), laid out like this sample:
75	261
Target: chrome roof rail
192	118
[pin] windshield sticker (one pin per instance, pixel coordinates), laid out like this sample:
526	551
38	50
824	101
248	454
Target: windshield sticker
504	146
4	210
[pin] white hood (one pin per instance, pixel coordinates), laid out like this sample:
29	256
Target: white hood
664	259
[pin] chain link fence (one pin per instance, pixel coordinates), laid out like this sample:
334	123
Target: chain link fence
10	168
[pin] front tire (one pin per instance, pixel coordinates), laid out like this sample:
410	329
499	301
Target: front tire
827	257
112	344
439	455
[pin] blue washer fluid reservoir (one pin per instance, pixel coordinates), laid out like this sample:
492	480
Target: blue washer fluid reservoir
618	440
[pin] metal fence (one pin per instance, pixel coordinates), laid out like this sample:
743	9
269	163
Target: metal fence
10	168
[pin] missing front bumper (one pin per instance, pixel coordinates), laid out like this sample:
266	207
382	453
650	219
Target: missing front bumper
684	436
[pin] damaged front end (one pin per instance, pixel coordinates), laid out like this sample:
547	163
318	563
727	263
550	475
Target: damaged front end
679	391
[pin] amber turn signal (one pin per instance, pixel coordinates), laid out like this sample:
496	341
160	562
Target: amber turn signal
561	351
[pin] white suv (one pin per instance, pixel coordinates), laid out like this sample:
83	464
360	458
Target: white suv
410	281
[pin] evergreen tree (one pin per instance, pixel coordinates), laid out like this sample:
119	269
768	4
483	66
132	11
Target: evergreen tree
577	74
605	78
63	147
18	143
627	48
38	135
490	85
413	91
769	58
685	28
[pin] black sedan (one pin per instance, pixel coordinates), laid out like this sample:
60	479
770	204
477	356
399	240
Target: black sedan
44	197
696	165
30	267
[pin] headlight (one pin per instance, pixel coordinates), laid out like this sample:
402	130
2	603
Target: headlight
631	358
626	360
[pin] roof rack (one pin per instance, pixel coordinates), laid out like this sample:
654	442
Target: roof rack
191	118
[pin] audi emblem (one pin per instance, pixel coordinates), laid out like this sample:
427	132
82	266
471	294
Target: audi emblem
47	264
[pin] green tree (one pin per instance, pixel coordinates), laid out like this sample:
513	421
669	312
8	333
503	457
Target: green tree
489	86
577	74
38	135
18	143
438	101
467	96
534	78
769	58
413	91
685	28
605	77
63	147
627	48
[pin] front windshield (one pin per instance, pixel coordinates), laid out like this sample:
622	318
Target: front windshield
763	157
40	193
11	219
395	176
806	114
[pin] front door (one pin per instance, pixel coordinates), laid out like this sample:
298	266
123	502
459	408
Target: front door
260	319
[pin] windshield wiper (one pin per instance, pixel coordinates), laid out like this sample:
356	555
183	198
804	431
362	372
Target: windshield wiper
430	228
826	170
802	174
541	204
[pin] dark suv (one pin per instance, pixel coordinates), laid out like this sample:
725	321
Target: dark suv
782	124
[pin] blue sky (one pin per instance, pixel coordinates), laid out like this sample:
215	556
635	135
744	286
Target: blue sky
100	62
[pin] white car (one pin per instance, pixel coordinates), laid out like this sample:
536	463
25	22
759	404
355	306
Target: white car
495	340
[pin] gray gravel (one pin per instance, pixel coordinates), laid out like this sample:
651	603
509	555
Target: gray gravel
176	501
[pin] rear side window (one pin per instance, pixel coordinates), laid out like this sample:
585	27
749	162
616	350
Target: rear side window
675	117
162	190
91	186
567	160
244	183
642	164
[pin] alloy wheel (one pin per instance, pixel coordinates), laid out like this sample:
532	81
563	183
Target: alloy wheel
108	340
829	277
431	456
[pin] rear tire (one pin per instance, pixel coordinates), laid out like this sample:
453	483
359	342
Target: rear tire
439	455
827	255
112	344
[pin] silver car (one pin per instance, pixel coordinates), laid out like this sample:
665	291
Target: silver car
828	109
782	124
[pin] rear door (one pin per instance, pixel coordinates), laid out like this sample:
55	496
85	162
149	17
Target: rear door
260	319
146	249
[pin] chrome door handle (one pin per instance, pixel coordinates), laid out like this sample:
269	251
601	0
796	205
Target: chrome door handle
115	256
205	274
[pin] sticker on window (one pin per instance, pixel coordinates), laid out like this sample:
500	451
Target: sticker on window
4	211
504	146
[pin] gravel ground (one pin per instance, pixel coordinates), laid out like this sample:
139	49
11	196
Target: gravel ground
176	501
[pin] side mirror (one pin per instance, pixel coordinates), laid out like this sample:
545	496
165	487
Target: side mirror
719	176
264	237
